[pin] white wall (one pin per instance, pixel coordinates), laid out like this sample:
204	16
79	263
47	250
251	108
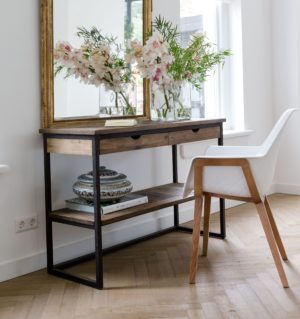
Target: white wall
21	146
257	59
286	17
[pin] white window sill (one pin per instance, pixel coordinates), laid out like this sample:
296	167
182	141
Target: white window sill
236	133
3	168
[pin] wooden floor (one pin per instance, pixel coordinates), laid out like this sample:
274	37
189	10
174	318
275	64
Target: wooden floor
150	280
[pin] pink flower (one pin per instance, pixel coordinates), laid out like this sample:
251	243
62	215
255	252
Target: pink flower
68	48
56	55
155	44
157	74
64	46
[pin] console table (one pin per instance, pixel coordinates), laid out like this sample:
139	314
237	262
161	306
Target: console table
95	141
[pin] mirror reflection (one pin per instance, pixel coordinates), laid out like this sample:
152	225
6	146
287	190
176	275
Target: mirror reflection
91	77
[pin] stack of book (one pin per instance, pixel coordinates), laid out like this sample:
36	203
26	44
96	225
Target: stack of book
127	201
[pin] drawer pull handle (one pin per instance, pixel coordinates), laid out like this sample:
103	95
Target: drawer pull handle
135	137
195	130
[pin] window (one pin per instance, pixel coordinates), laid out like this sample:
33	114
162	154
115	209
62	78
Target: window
220	95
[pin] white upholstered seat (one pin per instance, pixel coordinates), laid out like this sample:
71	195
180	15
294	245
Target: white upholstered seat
230	179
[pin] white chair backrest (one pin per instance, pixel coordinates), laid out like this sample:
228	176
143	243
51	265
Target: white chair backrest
263	168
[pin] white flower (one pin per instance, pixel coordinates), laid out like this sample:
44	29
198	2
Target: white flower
94	64
152	60
97	61
136	51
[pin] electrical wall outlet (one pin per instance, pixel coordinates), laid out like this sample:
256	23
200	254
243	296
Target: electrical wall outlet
26	223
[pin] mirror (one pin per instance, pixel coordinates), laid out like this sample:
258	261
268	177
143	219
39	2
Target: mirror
69	100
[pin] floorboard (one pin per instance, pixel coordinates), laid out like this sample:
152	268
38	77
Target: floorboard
150	280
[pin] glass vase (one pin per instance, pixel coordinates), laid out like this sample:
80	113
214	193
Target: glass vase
117	104
181	99
126	100
162	106
168	104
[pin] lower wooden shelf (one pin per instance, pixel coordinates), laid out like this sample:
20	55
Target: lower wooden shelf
158	197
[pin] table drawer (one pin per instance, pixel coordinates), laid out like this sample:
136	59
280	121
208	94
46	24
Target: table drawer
69	146
194	135
133	143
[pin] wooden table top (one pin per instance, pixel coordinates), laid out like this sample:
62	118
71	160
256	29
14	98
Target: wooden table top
141	126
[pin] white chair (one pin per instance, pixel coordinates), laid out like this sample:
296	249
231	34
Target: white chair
243	173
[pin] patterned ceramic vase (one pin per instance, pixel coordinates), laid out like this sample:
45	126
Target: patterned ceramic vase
113	185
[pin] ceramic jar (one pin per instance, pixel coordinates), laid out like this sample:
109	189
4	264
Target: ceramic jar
113	185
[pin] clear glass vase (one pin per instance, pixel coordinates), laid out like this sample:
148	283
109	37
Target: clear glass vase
126	100
162	106
116	104
181	100
168	104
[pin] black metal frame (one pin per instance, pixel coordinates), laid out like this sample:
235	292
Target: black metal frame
58	269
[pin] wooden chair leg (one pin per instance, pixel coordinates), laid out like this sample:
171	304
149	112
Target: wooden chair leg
262	212
275	230
207	203
195	238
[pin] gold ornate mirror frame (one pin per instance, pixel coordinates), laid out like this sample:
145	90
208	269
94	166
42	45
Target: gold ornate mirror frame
47	74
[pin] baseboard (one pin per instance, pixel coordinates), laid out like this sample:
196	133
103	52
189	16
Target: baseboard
287	188
21	266
112	235
30	263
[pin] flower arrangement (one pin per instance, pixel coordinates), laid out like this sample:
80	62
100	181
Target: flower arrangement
97	62
169	66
